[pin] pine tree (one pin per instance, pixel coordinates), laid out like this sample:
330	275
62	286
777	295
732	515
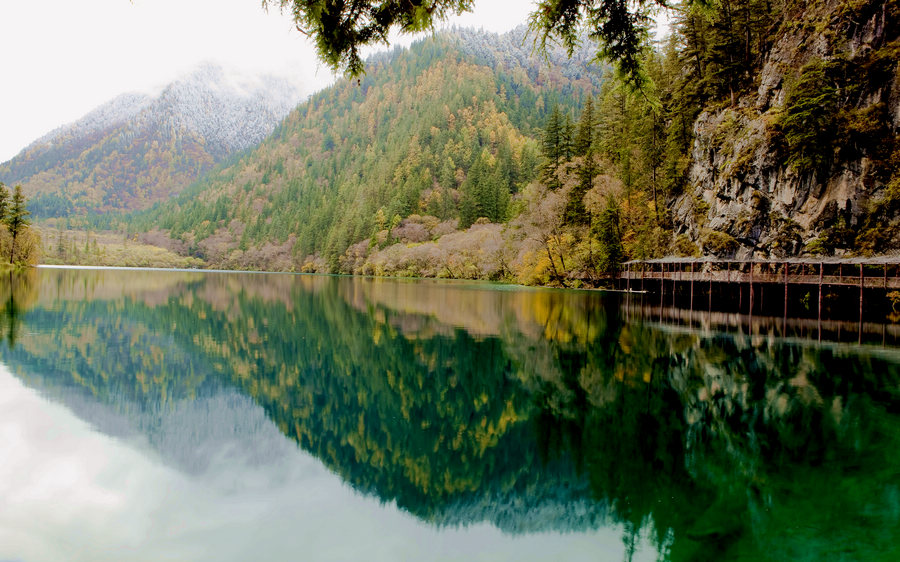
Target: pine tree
608	232
4	201
652	144
586	129
583	146
567	140
16	220
553	147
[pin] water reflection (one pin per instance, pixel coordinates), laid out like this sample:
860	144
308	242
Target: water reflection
18	291
533	411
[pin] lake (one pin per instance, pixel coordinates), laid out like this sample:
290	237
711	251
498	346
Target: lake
148	415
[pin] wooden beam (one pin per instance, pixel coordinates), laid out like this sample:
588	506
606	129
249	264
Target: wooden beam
692	285
861	286
786	267
751	287
821	275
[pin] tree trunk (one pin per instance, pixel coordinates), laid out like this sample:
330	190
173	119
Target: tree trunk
552	263
12	249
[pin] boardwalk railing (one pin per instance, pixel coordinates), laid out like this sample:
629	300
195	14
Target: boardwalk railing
690	277
869	273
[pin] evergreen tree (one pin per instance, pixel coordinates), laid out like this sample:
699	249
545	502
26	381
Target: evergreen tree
608	232
583	146
4	201
568	136
486	190
553	147
586	129
652	144
16	220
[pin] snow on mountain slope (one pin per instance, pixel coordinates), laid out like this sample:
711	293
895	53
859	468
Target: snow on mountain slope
140	148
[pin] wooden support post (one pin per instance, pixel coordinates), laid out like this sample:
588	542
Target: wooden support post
662	285
662	293
628	281
750	309
821	275
751	287
862	283
786	271
675	276
642	278
885	276
692	286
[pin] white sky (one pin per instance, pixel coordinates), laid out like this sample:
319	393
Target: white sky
60	59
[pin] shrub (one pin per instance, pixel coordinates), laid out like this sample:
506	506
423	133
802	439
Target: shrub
719	244
684	247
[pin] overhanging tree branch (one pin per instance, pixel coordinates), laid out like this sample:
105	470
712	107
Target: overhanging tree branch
341	28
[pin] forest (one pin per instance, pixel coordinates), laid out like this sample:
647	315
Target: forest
753	134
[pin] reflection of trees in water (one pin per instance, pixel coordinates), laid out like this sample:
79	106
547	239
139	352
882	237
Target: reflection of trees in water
553	413
18	292
707	436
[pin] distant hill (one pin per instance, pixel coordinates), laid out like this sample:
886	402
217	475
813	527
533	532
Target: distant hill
139	149
447	129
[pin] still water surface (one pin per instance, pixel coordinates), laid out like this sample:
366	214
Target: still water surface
192	416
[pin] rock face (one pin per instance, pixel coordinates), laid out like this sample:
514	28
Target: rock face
831	193
139	149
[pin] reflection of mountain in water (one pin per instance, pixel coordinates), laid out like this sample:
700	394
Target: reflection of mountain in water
551	412
190	435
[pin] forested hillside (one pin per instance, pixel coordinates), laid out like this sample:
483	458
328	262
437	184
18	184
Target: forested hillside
430	140
139	148
765	129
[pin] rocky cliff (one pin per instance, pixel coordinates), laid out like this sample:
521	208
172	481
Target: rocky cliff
809	161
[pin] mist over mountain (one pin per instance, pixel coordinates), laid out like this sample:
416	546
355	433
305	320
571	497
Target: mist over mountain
140	148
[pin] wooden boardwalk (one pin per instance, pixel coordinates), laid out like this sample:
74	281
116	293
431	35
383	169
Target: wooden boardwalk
698	276
868	273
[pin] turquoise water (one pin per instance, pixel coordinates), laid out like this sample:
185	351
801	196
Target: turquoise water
187	415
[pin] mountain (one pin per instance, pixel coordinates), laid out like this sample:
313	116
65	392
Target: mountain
139	148
771	130
446	129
